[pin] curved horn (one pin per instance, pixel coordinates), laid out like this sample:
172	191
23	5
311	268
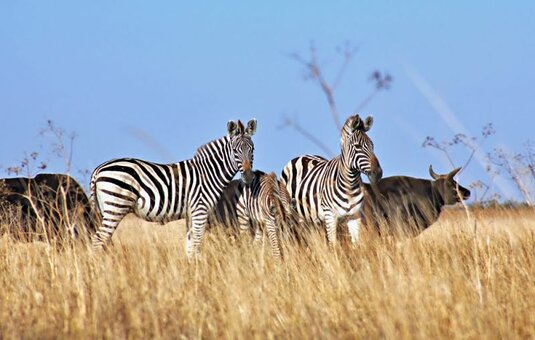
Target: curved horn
433	174
453	173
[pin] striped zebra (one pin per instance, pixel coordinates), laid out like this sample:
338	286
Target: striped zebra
256	208
326	190
166	192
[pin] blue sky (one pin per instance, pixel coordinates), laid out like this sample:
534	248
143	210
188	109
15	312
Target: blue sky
155	80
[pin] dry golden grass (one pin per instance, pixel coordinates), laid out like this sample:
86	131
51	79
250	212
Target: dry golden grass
448	282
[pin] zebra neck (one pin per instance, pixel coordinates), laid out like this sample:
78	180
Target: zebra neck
217	157
347	180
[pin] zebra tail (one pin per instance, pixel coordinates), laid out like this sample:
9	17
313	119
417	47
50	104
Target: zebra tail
93	194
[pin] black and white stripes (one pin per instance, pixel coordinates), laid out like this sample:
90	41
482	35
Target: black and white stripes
312	189
325	190
164	192
257	208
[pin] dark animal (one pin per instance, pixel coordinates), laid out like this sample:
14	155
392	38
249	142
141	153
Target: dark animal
48	207
412	204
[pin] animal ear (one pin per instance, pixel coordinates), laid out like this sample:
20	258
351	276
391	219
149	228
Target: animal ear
353	123
368	122
241	128
433	174
453	173
251	128
232	128
357	123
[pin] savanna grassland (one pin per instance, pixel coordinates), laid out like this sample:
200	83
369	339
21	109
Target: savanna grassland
466	277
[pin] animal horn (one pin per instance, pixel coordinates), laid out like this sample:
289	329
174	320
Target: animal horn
433	174
453	173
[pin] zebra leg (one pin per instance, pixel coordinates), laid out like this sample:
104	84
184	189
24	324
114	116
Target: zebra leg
113	209
330	228
258	234
354	229
110	221
243	220
273	237
195	232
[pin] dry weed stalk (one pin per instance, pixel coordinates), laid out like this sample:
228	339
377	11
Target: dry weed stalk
315	72
519	167
61	147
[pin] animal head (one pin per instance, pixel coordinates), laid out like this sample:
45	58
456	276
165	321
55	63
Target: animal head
243	147
450	191
357	147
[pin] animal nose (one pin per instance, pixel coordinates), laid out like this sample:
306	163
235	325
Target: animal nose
247	174
375	175
247	177
466	194
462	194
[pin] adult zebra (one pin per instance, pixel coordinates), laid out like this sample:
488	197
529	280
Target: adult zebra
165	192
326	190
256	209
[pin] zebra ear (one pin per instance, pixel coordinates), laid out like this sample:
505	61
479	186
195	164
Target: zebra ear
368	124
240	127
232	128
357	123
251	128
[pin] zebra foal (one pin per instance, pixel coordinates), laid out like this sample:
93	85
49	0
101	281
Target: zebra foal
165	192
255	208
326	190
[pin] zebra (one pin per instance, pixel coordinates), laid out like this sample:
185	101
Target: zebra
254	209
165	192
326	190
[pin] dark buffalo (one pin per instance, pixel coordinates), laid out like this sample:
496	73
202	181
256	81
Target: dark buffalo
410	205
47	207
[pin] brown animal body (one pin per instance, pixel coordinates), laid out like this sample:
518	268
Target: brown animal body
411	204
46	207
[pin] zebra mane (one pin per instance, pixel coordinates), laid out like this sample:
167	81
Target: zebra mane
204	149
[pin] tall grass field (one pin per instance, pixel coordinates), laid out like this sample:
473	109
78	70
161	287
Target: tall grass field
468	276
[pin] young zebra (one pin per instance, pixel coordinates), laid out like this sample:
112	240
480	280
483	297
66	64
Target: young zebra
326	190
165	192
256	208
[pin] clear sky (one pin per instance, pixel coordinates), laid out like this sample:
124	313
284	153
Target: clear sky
156	79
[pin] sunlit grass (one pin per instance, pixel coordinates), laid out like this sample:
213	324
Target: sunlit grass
464	277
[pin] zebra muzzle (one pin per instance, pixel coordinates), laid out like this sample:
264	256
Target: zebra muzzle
375	175
247	174
247	177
